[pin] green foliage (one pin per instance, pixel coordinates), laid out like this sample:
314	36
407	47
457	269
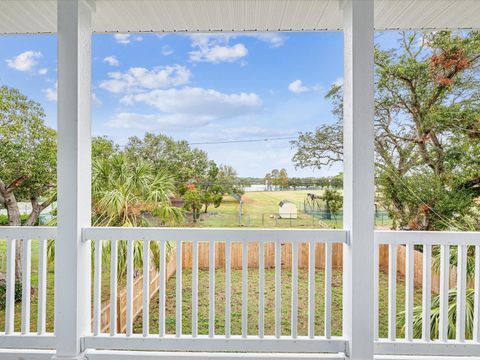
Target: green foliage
103	148
122	190
333	201
3	293
427	131
229	181
435	316
28	156
28	145
4	219
193	201
164	153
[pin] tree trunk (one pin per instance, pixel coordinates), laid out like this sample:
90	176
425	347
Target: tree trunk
14	220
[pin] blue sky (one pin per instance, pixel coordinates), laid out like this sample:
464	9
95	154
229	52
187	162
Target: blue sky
201	88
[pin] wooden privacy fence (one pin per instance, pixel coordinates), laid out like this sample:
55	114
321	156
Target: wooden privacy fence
236	255
253	262
337	259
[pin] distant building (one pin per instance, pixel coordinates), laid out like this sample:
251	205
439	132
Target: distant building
287	210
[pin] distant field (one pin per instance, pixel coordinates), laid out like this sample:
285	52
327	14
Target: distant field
260	209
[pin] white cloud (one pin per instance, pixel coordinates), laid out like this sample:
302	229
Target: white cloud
51	93
43	71
216	54
125	39
138	78
297	87
186	107
241	133
167	50
24	61
111	60
215	48
199	102
274	39
171	122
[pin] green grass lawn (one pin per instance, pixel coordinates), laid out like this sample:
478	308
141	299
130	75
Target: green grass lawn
236	305
259	208
33	307
220	302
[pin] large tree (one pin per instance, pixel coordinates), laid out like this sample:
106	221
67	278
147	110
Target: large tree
177	157
427	131
27	159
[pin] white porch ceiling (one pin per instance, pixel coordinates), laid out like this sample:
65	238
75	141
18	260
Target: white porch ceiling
39	16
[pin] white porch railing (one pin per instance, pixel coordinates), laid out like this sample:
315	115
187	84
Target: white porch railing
27	338
108	345
158	339
427	345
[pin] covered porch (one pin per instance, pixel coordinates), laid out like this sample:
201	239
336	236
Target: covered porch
78	280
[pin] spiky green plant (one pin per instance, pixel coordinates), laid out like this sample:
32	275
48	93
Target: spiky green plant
435	316
122	192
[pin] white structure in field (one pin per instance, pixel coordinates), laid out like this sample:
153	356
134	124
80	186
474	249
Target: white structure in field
75	337
287	210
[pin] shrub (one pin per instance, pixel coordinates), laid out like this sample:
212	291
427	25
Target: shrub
3	293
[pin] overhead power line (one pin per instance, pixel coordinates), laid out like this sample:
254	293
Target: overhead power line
243	141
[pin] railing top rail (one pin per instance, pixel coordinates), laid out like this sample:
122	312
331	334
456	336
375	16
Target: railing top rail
28	232
215	234
428	237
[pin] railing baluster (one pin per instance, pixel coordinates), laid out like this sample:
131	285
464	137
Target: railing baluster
311	289
392	292
328	290
194	288
10	279
178	303
211	289
261	289
129	315
244	288
409	270
278	289
42	286
461	291
161	289
476	307
444	289
113	286
228	288
426	291
26	284
97	288
146	288
376	276
294	289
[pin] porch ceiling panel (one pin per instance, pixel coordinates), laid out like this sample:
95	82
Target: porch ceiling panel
39	16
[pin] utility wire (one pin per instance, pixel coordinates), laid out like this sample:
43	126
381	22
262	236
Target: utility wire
243	141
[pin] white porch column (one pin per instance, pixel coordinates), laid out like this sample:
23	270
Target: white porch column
72	260
358	178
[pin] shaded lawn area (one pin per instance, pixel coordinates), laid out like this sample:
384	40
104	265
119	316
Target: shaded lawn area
236	305
34	299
